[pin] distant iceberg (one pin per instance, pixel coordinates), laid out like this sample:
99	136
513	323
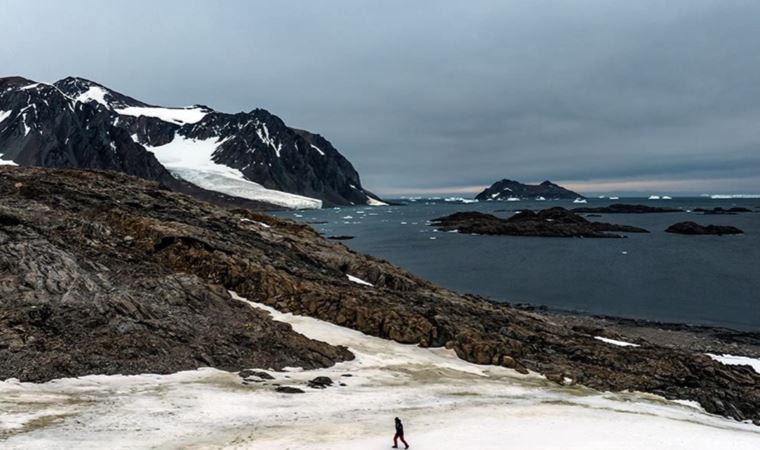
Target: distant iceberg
580	200
654	197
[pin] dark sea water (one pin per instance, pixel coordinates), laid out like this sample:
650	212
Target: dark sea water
710	280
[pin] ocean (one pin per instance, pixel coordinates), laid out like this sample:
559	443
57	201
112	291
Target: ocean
704	280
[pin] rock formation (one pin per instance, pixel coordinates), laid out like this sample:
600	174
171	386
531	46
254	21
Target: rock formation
695	228
553	222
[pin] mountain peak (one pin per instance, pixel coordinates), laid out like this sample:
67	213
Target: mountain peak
14	82
510	189
87	91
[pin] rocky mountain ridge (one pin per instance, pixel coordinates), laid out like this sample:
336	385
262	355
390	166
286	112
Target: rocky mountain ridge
255	156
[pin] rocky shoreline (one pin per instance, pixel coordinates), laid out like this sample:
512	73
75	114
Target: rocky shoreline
682	336
139	275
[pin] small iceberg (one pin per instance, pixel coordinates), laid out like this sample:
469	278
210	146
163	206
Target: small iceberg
614	198
580	200
540	199
667	197
513	199
654	197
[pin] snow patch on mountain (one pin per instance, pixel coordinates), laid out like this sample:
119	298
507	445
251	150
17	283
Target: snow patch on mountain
191	160
358	280
737	361
94	94
179	116
4	115
615	342
374	202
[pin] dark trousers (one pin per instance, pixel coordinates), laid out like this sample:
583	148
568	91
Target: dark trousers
397	437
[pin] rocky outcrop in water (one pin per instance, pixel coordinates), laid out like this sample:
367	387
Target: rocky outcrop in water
553	222
105	273
722	211
505	189
622	208
695	228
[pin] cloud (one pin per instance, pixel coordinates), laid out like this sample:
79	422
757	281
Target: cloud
425	96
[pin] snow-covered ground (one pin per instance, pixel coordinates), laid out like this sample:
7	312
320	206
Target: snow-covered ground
445	403
732	360
190	159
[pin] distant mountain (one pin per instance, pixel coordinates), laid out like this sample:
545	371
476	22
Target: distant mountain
510	189
252	157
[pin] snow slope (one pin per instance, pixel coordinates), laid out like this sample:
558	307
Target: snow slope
94	94
180	116
191	160
445	403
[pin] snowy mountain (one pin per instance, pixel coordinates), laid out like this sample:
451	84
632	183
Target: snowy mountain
252	156
514	190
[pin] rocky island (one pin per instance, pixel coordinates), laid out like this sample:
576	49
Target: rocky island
722	211
622	208
510	189
552	222
695	228
101	272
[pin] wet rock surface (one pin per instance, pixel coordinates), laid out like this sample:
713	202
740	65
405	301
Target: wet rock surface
622	208
694	228
105	273
553	222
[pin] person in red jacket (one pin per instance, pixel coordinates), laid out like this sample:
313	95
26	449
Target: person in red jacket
399	434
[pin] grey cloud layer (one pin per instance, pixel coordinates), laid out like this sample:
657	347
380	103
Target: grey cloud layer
436	95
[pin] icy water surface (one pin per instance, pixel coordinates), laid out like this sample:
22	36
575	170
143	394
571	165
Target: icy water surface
712	280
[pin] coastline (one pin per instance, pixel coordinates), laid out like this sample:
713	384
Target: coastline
683	336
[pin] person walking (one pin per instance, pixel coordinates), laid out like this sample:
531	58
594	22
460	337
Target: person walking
399	434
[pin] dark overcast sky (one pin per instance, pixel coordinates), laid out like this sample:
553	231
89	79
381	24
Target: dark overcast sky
442	96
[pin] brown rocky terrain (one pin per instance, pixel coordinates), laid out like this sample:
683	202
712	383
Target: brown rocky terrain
104	273
552	222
